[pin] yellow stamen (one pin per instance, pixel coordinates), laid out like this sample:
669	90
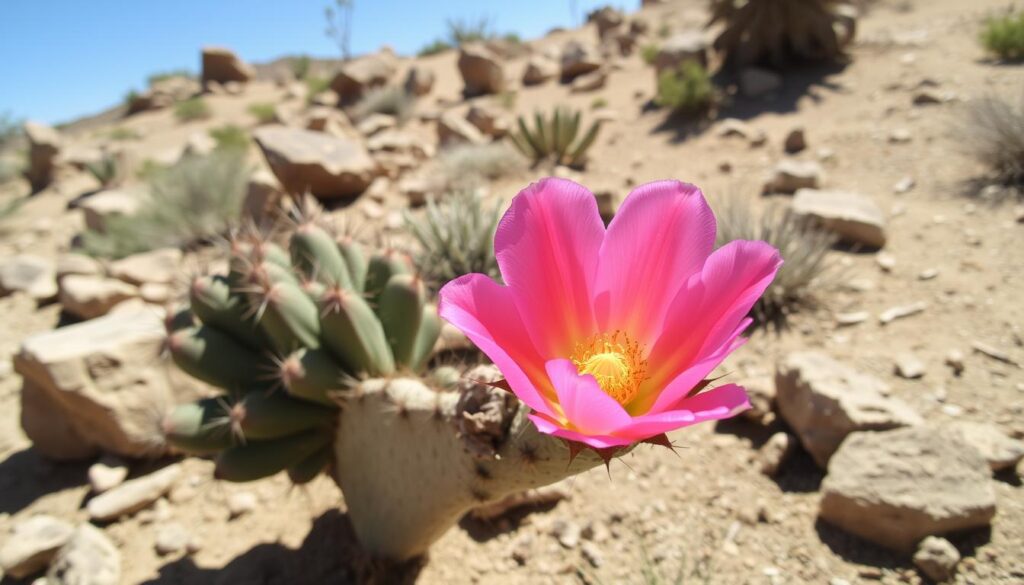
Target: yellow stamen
615	361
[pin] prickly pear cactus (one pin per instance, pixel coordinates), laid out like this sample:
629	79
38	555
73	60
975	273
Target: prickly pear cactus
322	352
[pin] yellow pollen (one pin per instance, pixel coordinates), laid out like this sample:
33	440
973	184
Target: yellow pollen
615	361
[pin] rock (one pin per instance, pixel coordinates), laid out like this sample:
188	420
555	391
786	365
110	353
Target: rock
790	175
159	266
454	129
774	453
955	360
162	94
241	503
262	196
937	558
900	136
171	538
481	69
607	19
590	81
992	352
44	145
539	68
795	141
304	161
32	275
823	401
899	312
488	120
198	144
101	207
896	487
133	495
904	185
999	450
71	263
107	473
97	385
376	123
909	366
853	318
221	65
32	544
690	45
853	217
732	127
359	75
579	58
761	392
567	533
755	82
419	81
88	558
88	297
332	121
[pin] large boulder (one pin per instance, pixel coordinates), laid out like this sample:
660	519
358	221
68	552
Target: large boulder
539	68
854	218
160	266
357	76
44	145
995	447
455	129
897	487
263	196
690	45
100	207
482	71
489	120
31	545
98	386
419	81
91	296
330	121
824	401
579	58
607	19
29	274
163	93
222	66
329	167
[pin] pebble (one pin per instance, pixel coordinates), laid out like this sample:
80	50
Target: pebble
909	366
887	262
593	554
31	545
567	533
133	495
955	360
900	136
928	274
937	558
894	313
107	473
845	319
992	352
241	503
904	185
171	538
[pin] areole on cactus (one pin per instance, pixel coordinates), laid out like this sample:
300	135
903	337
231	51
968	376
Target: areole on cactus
602	339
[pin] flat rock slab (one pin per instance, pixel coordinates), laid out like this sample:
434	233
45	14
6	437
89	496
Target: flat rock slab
897	487
327	166
824	401
996	447
853	217
133	495
156	266
32	275
88	297
32	544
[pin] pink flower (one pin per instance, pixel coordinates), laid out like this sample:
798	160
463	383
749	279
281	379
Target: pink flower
607	335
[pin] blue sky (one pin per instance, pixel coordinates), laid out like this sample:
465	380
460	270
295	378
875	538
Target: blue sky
60	59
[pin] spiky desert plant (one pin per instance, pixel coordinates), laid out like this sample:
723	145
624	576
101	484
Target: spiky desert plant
264	112
556	138
456	237
776	32
994	131
392	100
192	109
466	166
687	90
1004	36
803	247
230	138
193	201
323	353
105	170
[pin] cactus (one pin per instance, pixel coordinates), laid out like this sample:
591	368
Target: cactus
556	138
322	352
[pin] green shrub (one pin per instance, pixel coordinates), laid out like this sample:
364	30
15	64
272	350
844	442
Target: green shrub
687	90
165	75
461	31
121	133
556	138
456	237
300	66
11	167
10	128
391	100
649	53
105	170
804	249
598	103
192	109
507	99
435	47
1004	37
264	112
316	85
994	133
230	137
149	169
195	200
467	166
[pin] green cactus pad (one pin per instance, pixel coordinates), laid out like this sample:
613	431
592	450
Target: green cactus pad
355	259
316	253
199	428
381	267
353	333
400	311
212	356
307	470
312	374
214	304
270	415
426	338
289	318
258	459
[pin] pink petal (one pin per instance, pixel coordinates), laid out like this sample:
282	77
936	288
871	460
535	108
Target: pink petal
485	312
586	407
717	403
705	318
662	234
547	247
550	427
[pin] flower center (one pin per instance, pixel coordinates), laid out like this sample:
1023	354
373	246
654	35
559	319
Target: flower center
615	361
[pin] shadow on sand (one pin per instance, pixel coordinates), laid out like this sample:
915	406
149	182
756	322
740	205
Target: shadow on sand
25	476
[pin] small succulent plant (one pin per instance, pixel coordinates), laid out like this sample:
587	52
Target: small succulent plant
556	137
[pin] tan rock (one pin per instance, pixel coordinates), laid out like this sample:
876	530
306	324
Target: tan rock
488	120
856	219
161	266
133	495
539	68
89	297
28	274
682	47
359	75
44	144
454	129
32	544
790	175
996	447
419	81
88	558
481	70
304	161
579	58
262	196
590	81
99	208
222	66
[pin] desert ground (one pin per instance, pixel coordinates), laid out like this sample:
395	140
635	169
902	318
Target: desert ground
707	513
